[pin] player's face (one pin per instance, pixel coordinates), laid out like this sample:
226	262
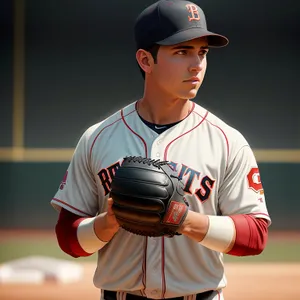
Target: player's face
180	68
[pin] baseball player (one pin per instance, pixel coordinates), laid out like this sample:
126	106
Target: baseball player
227	207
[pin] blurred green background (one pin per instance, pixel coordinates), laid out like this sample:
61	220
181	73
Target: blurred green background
57	65
279	249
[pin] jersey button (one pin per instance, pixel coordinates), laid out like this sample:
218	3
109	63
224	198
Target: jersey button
157	154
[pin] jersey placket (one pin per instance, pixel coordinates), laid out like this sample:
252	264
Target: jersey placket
154	280
154	263
157	149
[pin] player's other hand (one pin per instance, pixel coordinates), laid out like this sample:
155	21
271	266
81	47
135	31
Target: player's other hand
106	225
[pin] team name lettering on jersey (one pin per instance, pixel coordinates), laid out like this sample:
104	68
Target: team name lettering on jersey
194	184
189	176
106	175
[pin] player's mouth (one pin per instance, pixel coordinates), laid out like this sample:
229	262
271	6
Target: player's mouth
194	80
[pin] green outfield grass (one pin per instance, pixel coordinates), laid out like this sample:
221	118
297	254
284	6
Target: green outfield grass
13	249
276	251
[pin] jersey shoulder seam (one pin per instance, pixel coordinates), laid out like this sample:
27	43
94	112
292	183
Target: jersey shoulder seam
223	133
105	126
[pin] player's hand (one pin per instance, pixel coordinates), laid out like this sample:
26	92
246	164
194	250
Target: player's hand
106	225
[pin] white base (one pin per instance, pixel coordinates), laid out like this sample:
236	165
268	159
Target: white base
38	269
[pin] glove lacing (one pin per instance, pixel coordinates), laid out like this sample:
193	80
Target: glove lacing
156	163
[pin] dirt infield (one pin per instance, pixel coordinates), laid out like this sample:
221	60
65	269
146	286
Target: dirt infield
245	282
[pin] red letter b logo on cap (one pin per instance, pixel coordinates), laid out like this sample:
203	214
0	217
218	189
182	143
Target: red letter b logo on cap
193	10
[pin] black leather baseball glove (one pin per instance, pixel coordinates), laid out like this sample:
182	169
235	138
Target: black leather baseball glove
148	197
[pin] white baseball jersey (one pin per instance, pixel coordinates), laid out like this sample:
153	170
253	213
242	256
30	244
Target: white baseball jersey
221	177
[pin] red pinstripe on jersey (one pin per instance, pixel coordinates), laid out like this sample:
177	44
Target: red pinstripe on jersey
143	141
224	134
259	214
164	288
163	241
144	266
121	295
168	146
122	117
76	209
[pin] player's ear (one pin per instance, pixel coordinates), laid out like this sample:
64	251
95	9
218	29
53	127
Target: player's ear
145	60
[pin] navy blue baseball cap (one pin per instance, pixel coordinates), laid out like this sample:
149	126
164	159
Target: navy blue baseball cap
170	22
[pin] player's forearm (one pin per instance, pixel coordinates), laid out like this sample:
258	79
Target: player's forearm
94	233
104	228
214	232
67	233
239	235
78	236
251	235
195	226
105	225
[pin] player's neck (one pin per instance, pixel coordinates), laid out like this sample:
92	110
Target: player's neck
163	111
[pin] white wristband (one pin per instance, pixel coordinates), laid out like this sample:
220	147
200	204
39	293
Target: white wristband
87	238
220	234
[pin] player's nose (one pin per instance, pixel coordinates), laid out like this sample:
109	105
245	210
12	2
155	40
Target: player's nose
197	64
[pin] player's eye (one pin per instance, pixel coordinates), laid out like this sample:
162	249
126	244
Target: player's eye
203	52
181	52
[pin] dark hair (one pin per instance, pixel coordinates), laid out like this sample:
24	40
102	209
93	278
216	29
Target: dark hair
153	50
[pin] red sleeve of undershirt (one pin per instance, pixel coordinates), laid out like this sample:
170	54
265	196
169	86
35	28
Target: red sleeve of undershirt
66	233
251	235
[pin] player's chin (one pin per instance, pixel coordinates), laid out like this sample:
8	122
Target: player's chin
190	94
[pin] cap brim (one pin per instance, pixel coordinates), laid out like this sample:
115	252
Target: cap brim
214	39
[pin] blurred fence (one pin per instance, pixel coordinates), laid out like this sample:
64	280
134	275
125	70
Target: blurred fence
65	67
27	189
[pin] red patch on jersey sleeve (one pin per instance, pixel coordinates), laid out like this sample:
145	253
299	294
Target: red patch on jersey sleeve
64	181
254	181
